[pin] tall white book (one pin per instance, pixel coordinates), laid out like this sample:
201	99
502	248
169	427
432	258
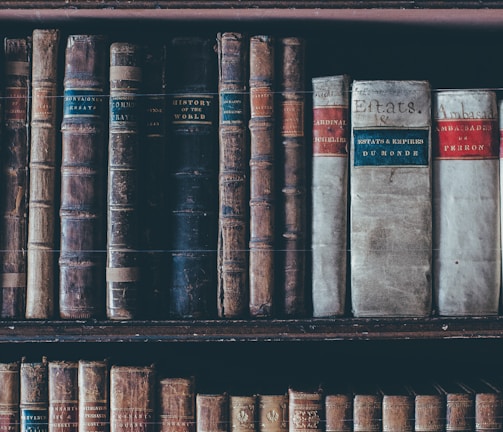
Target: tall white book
390	192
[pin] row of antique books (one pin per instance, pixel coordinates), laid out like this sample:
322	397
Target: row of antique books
92	396
182	190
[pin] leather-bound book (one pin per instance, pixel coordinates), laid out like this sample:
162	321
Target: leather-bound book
329	200
292	178
488	404
42	207
132	398
233	226
429	407
467	251
459	407
243	413
391	190
83	183
262	181
194	183
212	412
177	405
367	409
339	410
94	394
14	193
34	396
153	178
9	397
123	231
63	396
272	412
397	408
306	410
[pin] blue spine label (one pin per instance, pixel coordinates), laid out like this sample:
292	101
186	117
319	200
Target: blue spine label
83	103
231	106
394	147
124	109
34	420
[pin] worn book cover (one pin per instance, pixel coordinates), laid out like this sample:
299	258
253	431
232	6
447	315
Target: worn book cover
63	396
429	406
272	412
9	397
367	408
94	394
305	410
34	396
212	412
397	407
177	404
339	410
243	413
459	406
391	214
488	403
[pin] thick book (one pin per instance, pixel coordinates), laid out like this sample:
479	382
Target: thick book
177	404
194	183
306	410
41	268
429	407
397	408
391	214
262	176
292	156
9	397
466	202
243	413
34	396
132	398
272	412
123	276
14	193
233	221
367	409
459	406
339	410
212	412
329	200
94	395
83	182
63	396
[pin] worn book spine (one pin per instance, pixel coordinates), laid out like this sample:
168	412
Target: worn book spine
194	167
232	266
177	405
83	184
34	396
42	206
14	196
391	215
367	412
212	412
329	188
292	178
262	181
123	232
339	412
272	414
132	398
153	190
63	396
397	413
459	408
429	409
488	404
9	397
93	387
467	255
305	411
243	413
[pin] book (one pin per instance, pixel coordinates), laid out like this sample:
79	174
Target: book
194	183
367	409
459	406
40	285
339	411
14	194
292	178
390	188
94	395
488	403
177	404
63	396
34	396
233	221
466	202
305	410
243	413
329	200
83	182
397	408
9	397
132	398
262	176
272	412
123	231
429	407
212	412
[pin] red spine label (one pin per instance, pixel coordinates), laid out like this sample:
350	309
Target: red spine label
330	131
261	102
293	119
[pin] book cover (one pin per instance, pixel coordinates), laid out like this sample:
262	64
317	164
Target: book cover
44	144
233	221
212	412
429	407
459	406
488	403
34	396
466	203
83	181
262	176
367	409
194	182
94	395
243	413
9	397
390	188
305	410
272	412
63	396
177	404
14	193
339	411
329	200
397	408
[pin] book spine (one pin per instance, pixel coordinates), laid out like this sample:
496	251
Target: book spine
63	396
429	413
243	413
83	168
305	411
9	397
233	290
467	258
262	184
367	413
42	165
93	385
397	413
153	191
329	189
34	397
123	235
460	412
488	412
15	151
391	215
177	405
292	178
132	398
194	180
338	413
272	415
212	412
